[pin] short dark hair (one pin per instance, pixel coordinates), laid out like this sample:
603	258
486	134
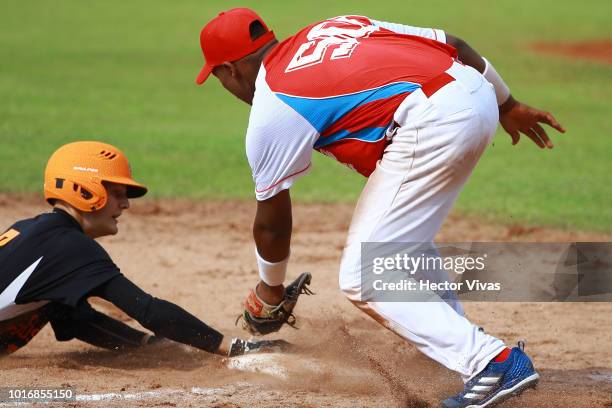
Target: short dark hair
257	29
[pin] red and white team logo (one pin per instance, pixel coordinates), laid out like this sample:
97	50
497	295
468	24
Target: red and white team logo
340	34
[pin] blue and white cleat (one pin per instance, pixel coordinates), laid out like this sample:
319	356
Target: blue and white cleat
497	382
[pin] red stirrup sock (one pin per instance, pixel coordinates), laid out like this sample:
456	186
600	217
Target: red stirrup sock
501	357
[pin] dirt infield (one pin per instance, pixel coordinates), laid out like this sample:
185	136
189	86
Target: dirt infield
200	255
597	50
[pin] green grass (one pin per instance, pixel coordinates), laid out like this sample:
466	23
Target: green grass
123	72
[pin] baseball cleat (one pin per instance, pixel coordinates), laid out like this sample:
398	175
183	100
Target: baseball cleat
497	382
239	347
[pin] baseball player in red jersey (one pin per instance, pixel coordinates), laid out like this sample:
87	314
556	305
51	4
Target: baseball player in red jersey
410	108
51	264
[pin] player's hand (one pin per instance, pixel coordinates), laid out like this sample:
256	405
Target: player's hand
240	347
516	118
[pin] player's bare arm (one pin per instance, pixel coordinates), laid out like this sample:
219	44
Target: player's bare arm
272	233
270	304
514	116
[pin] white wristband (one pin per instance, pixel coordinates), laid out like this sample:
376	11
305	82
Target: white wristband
502	92
272	273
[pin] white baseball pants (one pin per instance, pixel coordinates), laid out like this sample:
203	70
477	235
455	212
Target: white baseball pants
406	199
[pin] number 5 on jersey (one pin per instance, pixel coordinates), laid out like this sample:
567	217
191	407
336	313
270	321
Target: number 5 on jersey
341	33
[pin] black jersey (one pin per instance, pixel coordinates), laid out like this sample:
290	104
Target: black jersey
48	268
47	259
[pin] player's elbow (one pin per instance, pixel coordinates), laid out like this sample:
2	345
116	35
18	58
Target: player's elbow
466	53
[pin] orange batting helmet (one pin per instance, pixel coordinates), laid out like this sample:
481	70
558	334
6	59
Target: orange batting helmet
75	173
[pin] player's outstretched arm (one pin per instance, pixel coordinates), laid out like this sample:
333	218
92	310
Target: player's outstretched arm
514	116
163	318
87	324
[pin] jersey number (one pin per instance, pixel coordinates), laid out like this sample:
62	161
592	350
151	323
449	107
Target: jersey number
340	33
8	236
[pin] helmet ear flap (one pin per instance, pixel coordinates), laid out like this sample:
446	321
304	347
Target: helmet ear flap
84	195
92	194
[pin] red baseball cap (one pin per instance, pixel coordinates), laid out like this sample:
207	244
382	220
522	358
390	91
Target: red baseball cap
227	38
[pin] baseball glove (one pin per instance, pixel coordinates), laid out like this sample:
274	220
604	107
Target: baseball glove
260	318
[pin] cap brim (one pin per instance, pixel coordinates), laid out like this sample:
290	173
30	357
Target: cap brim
204	73
134	189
